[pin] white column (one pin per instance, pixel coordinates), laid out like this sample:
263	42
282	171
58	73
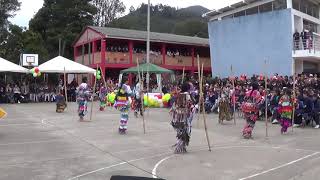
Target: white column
289	4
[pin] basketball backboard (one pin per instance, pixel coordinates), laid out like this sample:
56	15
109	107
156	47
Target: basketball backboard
30	60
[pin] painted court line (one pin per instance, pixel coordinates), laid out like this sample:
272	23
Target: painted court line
154	171
31	142
18	124
118	164
281	166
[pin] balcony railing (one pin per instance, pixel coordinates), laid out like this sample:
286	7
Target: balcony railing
312	44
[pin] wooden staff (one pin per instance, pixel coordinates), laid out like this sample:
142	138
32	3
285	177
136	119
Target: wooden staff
183	75
141	97
294	99
199	77
265	96
233	96
65	84
103	78
203	110
94	93
104	81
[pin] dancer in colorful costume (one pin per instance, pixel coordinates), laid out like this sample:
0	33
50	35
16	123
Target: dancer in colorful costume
102	97
182	113
224	106
250	109
83	95
61	104
285	110
123	104
138	93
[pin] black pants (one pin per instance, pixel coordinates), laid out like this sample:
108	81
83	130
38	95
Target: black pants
316	116
300	114
138	106
17	97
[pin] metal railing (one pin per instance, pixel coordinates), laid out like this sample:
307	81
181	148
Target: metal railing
312	43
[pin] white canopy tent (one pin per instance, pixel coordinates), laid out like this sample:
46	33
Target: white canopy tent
63	65
7	66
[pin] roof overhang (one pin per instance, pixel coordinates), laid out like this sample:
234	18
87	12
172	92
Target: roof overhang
234	8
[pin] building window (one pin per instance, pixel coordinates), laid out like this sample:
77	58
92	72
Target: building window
253	10
279	4
296	4
307	7
228	17
241	13
266	7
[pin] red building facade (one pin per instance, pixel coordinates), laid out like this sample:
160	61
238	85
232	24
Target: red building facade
117	49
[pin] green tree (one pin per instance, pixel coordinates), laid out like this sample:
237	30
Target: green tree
7	10
191	28
62	20
21	41
108	10
166	19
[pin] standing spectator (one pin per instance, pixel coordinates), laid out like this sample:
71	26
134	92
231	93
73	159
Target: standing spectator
46	93
17	93
25	91
296	37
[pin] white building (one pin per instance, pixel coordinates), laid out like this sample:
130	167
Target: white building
247	33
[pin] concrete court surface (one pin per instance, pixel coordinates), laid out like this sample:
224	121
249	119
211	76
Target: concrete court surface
36	143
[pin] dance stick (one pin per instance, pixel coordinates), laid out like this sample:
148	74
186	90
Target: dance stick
94	92
199	77
104	81
183	75
203	111
294	99
141	97
65	84
265	96
233	96
103	78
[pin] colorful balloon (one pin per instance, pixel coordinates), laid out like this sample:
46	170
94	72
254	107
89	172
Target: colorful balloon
98	77
166	97
35	74
36	70
39	74
111	97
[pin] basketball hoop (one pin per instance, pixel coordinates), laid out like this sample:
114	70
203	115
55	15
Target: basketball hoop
30	60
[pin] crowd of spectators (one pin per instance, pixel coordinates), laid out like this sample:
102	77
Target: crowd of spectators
32	91
303	40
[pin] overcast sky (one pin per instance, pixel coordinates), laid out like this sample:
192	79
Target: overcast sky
30	7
